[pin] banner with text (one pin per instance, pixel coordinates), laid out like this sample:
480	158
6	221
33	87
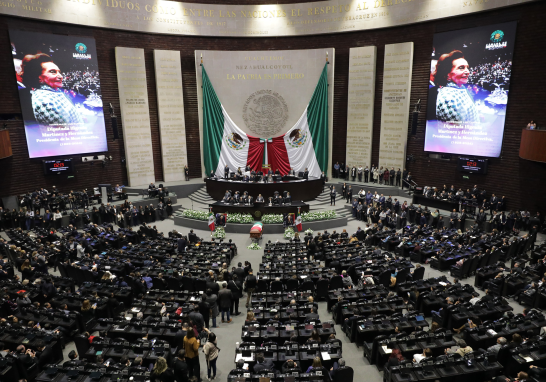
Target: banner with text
178	18
468	90
265	92
395	105
170	107
60	94
135	115
360	104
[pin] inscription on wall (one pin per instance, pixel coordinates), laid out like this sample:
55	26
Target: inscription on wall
395	105
360	103
170	105
173	17
135	115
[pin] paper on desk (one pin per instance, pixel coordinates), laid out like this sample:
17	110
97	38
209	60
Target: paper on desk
442	283
386	349
325	356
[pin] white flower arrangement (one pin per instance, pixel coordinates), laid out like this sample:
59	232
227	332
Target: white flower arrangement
272	219
198	215
314	216
309	231
219	233
254	247
289	233
240	218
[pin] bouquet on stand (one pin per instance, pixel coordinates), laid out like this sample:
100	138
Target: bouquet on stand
289	233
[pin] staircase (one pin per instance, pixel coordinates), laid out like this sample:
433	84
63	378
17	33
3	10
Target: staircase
322	203
201	201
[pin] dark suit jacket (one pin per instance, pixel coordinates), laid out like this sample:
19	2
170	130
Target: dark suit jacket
180	370
224	298
263	366
45	357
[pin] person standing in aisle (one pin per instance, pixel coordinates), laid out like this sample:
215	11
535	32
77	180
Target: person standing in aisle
191	346
211	355
333	195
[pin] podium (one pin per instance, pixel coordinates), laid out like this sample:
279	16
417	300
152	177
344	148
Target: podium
532	145
5	144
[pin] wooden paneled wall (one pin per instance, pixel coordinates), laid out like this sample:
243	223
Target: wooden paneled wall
523	182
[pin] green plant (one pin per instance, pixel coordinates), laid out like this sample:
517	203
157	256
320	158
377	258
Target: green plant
219	233
272	218
254	247
289	233
198	215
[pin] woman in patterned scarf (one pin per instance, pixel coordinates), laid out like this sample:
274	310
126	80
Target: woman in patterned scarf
454	103
51	106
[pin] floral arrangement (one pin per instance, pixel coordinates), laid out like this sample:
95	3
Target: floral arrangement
240	218
309	231
254	247
289	233
199	215
313	216
272	219
219	233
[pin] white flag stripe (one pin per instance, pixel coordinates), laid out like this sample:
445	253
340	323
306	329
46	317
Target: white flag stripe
302	156
233	155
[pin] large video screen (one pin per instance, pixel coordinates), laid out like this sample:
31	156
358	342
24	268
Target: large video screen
468	90
60	94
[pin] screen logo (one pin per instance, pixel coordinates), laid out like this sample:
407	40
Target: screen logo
81	51
496	41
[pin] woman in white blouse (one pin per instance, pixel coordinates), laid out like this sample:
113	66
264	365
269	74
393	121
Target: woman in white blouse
57	219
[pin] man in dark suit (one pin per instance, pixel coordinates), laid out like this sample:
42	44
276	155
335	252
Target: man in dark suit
263	364
236	288
224	301
349	194
312	315
44	354
179	336
333	195
182	243
392	173
73	360
226	171
192	237
306	174
180	367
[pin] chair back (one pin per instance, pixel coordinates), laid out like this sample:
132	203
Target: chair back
344	374
419	273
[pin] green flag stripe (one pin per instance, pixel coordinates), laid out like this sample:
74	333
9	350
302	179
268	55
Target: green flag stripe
213	125
317	118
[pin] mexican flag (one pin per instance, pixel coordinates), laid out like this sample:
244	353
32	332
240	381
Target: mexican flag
212	223
223	142
298	221
305	145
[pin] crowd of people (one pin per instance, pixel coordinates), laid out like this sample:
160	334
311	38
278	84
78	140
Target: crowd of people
249	174
489	74
80	82
374	174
